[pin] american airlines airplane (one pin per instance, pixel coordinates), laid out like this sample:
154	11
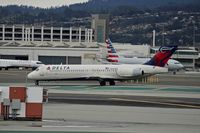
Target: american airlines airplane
104	73
7	63
114	58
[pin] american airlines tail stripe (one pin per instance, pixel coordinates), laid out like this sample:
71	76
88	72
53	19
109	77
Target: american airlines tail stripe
111	51
112	60
112	55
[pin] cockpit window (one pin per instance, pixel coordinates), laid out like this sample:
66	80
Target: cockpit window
37	69
38	62
176	63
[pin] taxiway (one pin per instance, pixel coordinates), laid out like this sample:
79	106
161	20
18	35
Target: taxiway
169	105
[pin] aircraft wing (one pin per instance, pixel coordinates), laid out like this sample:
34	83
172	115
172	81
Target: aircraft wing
97	77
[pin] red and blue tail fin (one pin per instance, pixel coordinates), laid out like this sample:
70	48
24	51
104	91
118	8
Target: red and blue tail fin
162	56
112	53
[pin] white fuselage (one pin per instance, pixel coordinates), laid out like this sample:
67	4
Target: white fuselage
172	65
95	72
7	63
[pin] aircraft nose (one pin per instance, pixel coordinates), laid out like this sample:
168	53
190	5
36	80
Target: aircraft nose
30	75
181	66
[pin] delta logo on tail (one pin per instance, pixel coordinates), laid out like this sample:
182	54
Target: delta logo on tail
112	54
162	56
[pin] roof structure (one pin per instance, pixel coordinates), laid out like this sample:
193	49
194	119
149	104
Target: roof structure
48	44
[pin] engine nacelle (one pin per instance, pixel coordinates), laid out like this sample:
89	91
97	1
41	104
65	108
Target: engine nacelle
130	72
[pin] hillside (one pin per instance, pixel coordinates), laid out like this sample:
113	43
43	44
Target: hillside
96	5
128	23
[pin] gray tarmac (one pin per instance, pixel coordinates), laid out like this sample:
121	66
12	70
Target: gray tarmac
115	119
177	99
126	100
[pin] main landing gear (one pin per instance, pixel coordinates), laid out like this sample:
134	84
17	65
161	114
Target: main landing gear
103	83
112	82
36	82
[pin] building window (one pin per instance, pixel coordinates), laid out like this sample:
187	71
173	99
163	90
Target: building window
74	60
100	34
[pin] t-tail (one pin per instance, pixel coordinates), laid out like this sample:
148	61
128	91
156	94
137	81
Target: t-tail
112	53
162	56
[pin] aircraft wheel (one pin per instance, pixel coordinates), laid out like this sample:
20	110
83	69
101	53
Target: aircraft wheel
102	83
36	82
112	82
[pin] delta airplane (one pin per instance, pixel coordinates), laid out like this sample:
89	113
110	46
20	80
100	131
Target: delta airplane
7	63
113	57
104	73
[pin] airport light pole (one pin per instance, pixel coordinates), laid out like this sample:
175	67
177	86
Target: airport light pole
194	34
26	79
154	38
163	35
163	38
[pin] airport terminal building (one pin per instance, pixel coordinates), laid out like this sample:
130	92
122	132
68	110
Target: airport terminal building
42	33
56	45
70	45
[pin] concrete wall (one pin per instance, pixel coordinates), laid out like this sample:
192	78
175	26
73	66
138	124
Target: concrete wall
34	52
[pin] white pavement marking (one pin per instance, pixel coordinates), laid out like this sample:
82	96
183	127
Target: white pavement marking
154	102
89	88
66	126
9	74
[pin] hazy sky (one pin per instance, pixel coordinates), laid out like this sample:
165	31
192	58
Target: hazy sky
40	3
